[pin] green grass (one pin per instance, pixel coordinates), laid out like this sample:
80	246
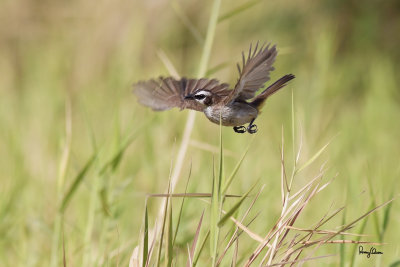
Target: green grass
81	161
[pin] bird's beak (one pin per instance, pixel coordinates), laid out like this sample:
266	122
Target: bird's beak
189	97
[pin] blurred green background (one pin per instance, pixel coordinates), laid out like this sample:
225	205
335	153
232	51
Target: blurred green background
75	61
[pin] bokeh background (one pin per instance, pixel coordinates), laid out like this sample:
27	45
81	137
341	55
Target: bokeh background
70	65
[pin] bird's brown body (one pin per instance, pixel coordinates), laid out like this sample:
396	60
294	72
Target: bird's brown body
230	107
234	114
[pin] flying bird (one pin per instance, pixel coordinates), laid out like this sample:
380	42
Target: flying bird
232	107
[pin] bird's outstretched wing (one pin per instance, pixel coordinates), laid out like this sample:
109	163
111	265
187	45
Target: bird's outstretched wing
254	72
166	93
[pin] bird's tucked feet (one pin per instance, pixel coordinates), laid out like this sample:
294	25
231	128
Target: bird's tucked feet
252	128
239	129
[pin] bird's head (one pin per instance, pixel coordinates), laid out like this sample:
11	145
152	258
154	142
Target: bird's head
203	97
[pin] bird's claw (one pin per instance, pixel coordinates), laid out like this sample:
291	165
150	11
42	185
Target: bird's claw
252	128
239	129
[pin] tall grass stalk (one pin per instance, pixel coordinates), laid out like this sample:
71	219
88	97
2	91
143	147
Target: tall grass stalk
60	184
192	114
87	254
216	203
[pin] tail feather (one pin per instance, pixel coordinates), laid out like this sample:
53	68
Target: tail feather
259	101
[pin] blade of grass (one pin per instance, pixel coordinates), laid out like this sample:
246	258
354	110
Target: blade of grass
216	202
115	160
192	114
237	233
152	246
235	207
375	215
361	231
87	258
215	69
62	172
295	157
63	248
395	264
145	237
212	24
169	250
386	217
181	209
342	248
163	225
238	10
77	181
284	183
105	207
313	158
168	64
235	170
214	218
221	178
294	154
186	21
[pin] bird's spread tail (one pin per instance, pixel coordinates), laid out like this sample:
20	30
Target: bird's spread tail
259	101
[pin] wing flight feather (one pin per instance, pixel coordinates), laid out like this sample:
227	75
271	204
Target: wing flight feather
166	93
254	72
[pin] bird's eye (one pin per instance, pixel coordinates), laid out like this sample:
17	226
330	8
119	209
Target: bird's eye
199	97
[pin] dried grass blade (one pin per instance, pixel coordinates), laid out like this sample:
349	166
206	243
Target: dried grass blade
363	216
153	242
201	248
247	231
193	247
188	195
300	261
190	260
235	253
322	231
342	241
307	186
284	184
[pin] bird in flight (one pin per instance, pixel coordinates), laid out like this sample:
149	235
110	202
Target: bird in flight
230	107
